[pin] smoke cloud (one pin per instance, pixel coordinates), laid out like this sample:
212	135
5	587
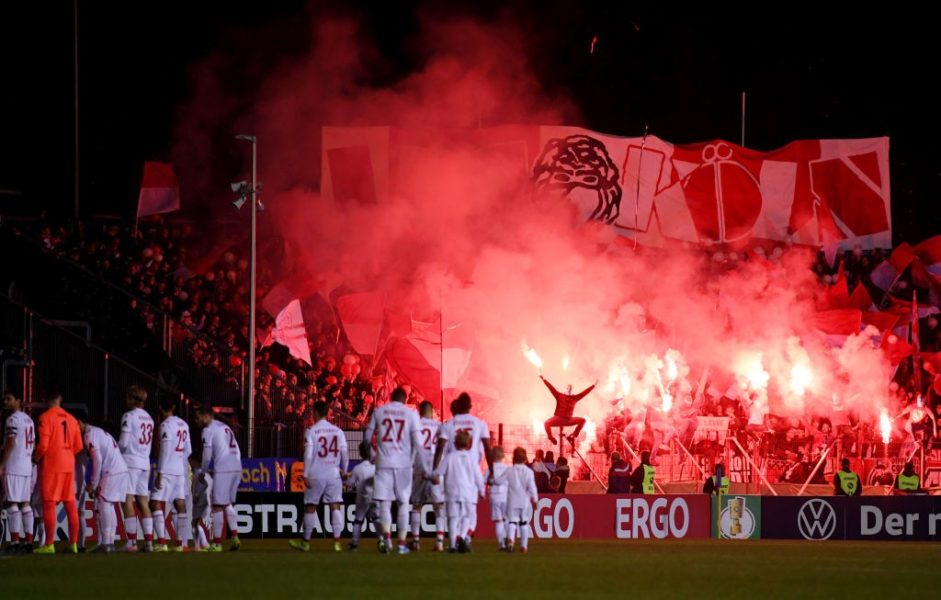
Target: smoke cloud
463	232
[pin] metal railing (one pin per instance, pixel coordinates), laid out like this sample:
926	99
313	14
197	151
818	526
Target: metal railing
53	358
223	385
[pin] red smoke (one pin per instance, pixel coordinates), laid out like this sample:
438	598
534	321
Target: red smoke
465	233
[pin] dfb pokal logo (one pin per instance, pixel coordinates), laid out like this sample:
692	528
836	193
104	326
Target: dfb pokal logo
737	521
816	520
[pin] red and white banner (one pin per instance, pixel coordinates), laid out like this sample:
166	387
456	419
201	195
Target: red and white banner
601	517
159	190
832	193
289	331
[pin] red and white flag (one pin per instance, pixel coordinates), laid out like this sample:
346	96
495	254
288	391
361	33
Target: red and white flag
289	331
159	190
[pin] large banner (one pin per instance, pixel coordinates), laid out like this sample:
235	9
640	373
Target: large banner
813	192
555	517
900	518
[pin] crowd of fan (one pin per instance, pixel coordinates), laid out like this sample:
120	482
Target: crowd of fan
208	313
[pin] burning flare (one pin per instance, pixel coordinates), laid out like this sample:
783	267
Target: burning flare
672	371
667	403
801	378
885	426
531	356
565	363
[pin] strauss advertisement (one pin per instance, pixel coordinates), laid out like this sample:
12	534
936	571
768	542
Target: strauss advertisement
554	517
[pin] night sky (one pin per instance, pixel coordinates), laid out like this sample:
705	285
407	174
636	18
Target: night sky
681	71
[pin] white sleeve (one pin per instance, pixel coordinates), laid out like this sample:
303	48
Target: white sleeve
344	452
124	442
443	431
484	430
308	452
189	443
165	442
95	456
531	487
481	488
371	428
415	425
207	449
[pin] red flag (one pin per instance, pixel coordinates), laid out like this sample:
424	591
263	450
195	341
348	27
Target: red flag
888	271
883	321
929	251
361	316
842	321
837	295
159	190
861	299
896	349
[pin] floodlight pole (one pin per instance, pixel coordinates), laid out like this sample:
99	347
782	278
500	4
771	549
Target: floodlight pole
251	296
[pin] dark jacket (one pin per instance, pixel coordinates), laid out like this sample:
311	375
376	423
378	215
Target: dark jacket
619	478
637	480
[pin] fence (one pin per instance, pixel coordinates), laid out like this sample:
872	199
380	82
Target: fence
41	356
117	315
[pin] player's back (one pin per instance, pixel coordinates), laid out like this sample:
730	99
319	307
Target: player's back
498	489
475	428
175	446
20	427
521	485
362	478
59	441
427	435
396	427
104	449
325	446
226	456
137	434
461	476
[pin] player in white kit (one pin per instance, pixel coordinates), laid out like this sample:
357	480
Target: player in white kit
326	458
201	504
170	480
107	480
137	433
463	484
498	497
16	473
223	461
478	431
424	489
395	427
362	479
521	497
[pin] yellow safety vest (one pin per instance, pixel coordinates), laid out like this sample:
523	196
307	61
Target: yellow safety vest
848	482
648	479
724	488
908	482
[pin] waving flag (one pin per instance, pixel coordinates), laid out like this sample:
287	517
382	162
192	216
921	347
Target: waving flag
159	190
289	331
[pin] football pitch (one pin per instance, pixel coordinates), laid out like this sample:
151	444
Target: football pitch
645	569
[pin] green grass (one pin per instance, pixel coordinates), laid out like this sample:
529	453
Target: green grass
575	570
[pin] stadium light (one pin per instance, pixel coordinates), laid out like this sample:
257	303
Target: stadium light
244	190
